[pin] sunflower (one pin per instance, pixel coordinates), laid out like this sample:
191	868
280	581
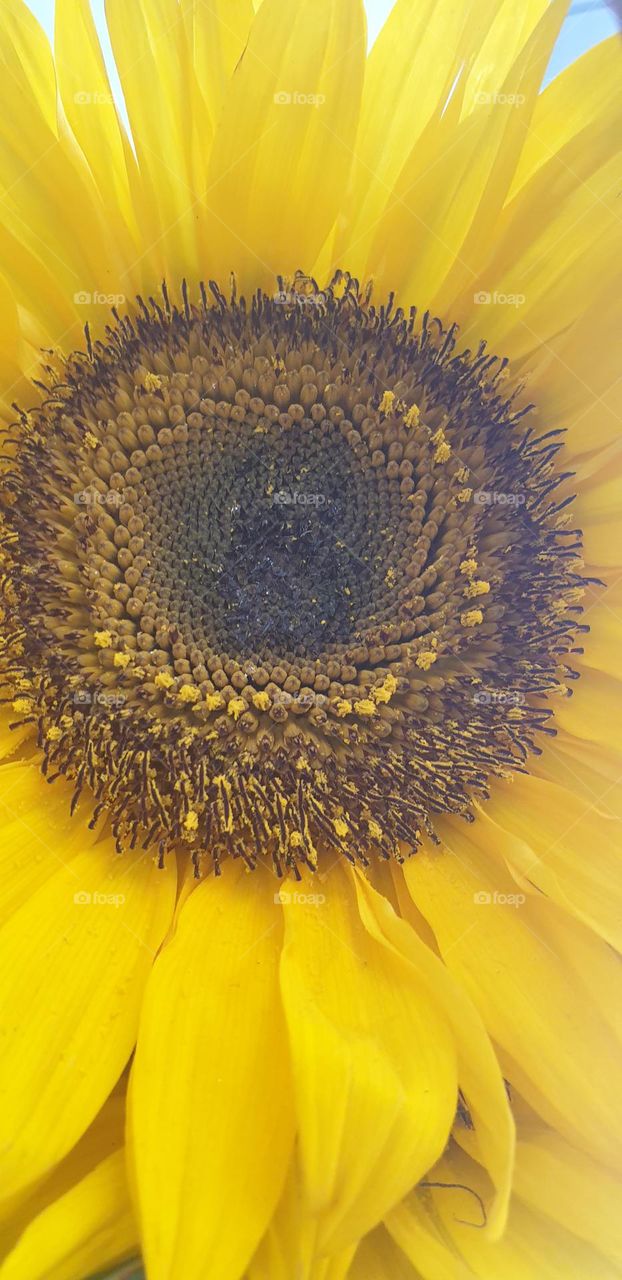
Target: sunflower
310	896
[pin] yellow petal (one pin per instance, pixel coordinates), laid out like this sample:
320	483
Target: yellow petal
562	845
284	145
374	1065
448	200
91	111
532	1246
211	1112
85	1230
26	57
151	48
73	964
556	1048
378	1258
479	1074
554	1178
594	712
38	836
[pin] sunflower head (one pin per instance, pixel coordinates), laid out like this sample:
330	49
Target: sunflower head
274	569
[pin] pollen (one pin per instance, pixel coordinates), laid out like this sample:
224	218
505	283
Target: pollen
191	820
121	660
103	639
189	693
152	382
236	708
163	680
365	707
477	588
261	700
54	733
411	418
471	618
387	403
385	691
426	658
341	828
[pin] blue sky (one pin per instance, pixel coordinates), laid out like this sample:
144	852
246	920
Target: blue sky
588	22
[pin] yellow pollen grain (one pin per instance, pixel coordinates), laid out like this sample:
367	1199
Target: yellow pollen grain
387	402
477	588
472	618
443	452
389	576
343	707
121	660
189	693
426	658
236	708
468	567
412	417
214	701
375	830
163	680
54	733
365	707
515	713
463	474
385	691
464	495
191	820
261	700
103	639
91	440
295	840
21	705
152	382
341	827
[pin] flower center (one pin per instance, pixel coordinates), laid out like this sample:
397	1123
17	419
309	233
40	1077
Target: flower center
284	576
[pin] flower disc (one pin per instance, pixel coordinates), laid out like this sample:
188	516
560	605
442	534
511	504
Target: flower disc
285	575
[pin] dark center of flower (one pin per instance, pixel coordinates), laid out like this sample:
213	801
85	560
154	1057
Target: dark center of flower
284	576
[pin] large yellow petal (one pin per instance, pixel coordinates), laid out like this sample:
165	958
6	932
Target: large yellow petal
374	1065
561	844
88	1229
211	1109
533	1245
38	836
92	113
554	1178
283	149
74	960
479	1074
556	1047
151	47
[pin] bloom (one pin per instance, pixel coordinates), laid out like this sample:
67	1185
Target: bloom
295	580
